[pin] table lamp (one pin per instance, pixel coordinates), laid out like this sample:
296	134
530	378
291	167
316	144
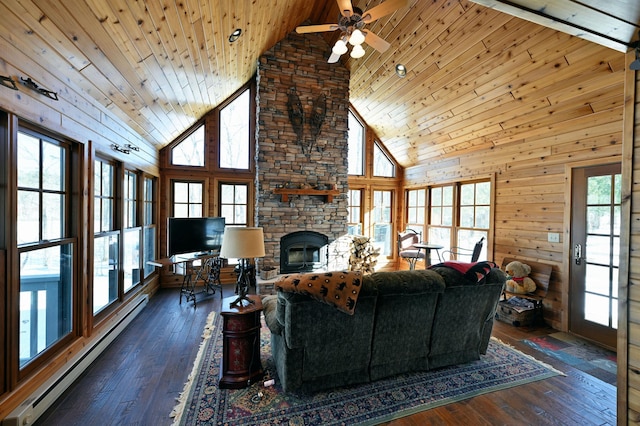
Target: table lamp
243	244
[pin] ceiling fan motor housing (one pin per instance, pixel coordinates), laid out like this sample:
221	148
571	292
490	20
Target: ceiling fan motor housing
354	21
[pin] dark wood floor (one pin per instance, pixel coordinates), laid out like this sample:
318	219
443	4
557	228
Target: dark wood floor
137	379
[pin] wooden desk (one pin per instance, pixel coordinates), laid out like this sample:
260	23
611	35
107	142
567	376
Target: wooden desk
241	364
182	264
427	249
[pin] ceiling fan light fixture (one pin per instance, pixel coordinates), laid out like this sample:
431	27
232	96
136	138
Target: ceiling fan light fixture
340	48
357	52
356	38
401	71
235	35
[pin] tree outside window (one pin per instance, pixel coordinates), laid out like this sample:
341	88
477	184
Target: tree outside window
382	164
132	233
234	133
441	216
356	146
106	241
382	225
355	212
233	203
190	152
46	252
149	224
188	199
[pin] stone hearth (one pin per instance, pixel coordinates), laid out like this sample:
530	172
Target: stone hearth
284	159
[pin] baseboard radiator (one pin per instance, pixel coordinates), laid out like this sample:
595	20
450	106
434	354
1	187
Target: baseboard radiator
34	406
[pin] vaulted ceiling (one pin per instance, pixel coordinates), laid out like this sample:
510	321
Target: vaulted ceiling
161	65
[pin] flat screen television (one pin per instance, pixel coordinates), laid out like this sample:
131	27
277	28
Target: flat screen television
195	234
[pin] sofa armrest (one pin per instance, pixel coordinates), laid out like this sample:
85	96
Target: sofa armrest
270	311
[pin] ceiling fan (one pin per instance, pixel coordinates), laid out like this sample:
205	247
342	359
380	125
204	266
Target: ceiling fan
351	25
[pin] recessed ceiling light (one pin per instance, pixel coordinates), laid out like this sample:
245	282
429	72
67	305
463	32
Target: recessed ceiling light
235	35
401	70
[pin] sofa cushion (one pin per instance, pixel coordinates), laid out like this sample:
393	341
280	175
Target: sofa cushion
339	289
270	310
456	272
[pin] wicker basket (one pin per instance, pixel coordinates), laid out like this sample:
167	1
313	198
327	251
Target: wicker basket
507	313
267	274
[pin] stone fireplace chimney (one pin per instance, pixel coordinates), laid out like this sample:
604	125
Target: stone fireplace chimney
290	156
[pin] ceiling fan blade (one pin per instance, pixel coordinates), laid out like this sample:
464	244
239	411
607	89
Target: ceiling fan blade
333	58
345	7
316	28
375	41
383	9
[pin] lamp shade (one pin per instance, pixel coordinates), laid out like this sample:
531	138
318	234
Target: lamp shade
242	243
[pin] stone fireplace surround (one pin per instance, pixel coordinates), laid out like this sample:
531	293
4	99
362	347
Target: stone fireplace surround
300	62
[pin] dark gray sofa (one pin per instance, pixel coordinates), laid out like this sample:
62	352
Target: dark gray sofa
404	321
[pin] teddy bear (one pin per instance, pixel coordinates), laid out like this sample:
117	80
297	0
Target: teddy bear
517	279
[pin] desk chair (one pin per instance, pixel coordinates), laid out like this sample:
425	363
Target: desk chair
406	248
461	251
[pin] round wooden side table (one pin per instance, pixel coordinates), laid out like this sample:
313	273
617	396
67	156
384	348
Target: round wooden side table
241	364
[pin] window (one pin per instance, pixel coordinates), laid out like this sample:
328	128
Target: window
233	203
382	164
460	221
149	224
356	146
190	152
382	225
235	133
441	216
355	212
475	209
416	203
46	253
187	199
106	242
132	236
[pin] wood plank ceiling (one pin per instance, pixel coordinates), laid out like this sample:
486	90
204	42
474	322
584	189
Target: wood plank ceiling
161	65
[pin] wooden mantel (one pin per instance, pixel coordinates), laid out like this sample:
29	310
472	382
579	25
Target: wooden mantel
285	192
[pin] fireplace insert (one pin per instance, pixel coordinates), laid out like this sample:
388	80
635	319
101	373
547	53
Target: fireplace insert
304	251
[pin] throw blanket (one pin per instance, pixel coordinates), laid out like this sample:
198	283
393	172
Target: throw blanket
339	289
475	271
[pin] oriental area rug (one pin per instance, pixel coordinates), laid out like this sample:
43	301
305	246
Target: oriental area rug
202	403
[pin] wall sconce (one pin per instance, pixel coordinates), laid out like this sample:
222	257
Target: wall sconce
33	86
118	148
8	82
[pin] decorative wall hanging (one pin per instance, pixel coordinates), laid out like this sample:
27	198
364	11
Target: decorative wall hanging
33	86
296	115
317	118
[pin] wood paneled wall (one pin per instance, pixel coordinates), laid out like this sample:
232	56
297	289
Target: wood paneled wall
629	331
568	113
76	115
